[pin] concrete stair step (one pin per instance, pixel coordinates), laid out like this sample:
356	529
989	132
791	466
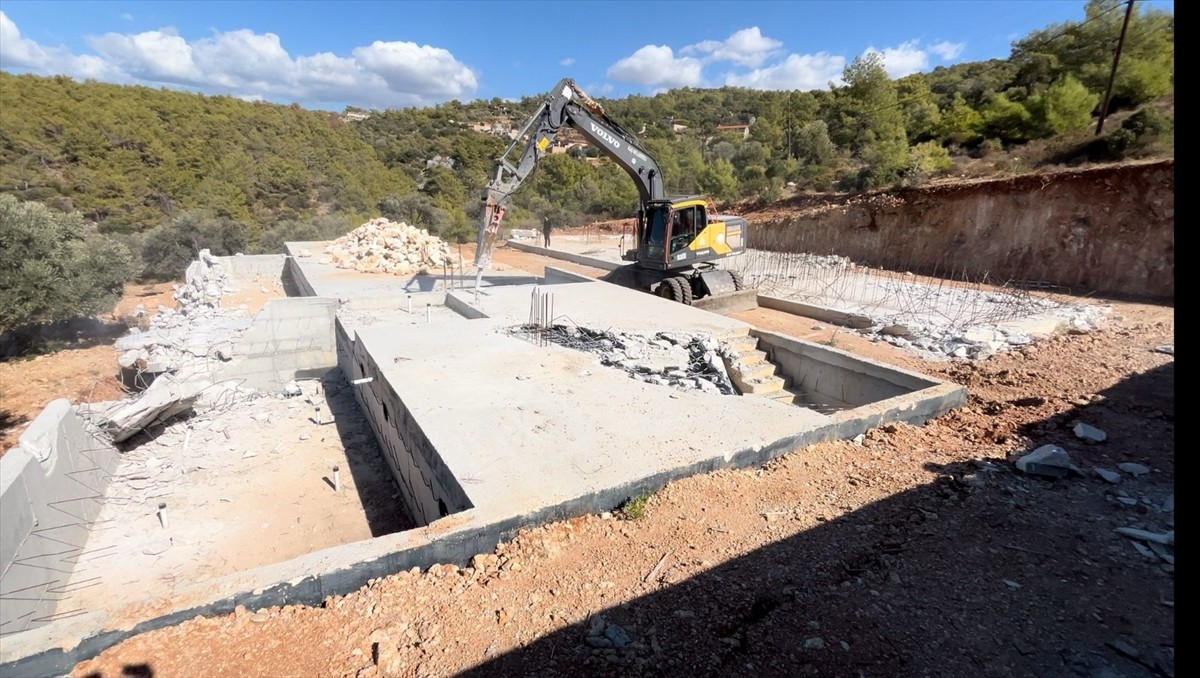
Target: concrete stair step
742	343
789	396
751	357
752	371
764	385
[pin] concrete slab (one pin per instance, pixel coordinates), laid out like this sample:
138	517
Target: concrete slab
488	433
518	406
602	306
327	280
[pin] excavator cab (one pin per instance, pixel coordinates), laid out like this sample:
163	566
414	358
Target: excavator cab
681	232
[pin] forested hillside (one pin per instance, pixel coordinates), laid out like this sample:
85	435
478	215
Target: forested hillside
129	157
249	175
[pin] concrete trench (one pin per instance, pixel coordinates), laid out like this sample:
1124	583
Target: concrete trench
461	410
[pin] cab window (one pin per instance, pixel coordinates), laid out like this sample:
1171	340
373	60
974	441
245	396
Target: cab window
686	224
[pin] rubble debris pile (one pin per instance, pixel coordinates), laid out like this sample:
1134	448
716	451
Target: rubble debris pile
382	246
199	331
688	363
170	366
204	282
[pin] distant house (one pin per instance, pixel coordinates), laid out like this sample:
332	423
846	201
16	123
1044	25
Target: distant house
356	116
743	130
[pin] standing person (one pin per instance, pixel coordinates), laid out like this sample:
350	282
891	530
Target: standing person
546	231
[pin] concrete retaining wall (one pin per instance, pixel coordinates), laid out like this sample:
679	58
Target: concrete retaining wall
580	259
558	276
51	489
822	313
254	266
833	377
290	338
294	283
1107	229
428	488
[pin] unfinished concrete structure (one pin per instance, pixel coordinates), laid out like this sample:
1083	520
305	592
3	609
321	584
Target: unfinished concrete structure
464	399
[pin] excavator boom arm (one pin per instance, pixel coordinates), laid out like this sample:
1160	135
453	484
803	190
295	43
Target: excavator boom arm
567	104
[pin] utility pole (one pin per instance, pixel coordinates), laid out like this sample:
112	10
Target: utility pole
1112	77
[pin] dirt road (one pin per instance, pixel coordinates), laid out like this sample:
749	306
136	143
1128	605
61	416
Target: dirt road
921	551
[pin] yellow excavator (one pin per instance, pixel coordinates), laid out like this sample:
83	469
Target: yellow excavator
677	239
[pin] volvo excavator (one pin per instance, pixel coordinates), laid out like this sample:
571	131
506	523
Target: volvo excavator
677	239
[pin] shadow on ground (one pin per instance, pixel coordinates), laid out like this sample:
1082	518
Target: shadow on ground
983	572
129	671
372	479
76	334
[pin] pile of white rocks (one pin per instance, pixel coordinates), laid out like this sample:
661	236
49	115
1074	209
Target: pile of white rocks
382	246
204	282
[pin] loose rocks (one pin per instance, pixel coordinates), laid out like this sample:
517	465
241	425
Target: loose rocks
382	246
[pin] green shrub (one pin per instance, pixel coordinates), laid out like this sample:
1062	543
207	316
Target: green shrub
171	247
635	507
1148	123
51	271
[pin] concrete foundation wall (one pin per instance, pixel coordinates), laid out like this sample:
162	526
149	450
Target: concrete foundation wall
428	488
294	284
822	313
557	276
834	377
1109	229
290	338
254	266
51	489
580	259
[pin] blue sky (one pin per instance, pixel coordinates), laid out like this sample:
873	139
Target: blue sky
389	54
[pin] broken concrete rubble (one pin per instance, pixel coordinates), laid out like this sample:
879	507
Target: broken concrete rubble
1047	460
689	363
200	330
1089	433
168	397
1134	469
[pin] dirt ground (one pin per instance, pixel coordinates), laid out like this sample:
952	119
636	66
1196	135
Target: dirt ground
920	551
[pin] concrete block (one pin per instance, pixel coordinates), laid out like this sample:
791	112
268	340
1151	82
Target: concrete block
461	303
555	275
816	312
41	438
581	259
16	506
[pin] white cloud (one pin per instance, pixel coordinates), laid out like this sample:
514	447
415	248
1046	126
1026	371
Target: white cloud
422	70
906	59
797	71
157	56
567	62
26	54
947	50
127	16
747	47
657	66
909	57
253	66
